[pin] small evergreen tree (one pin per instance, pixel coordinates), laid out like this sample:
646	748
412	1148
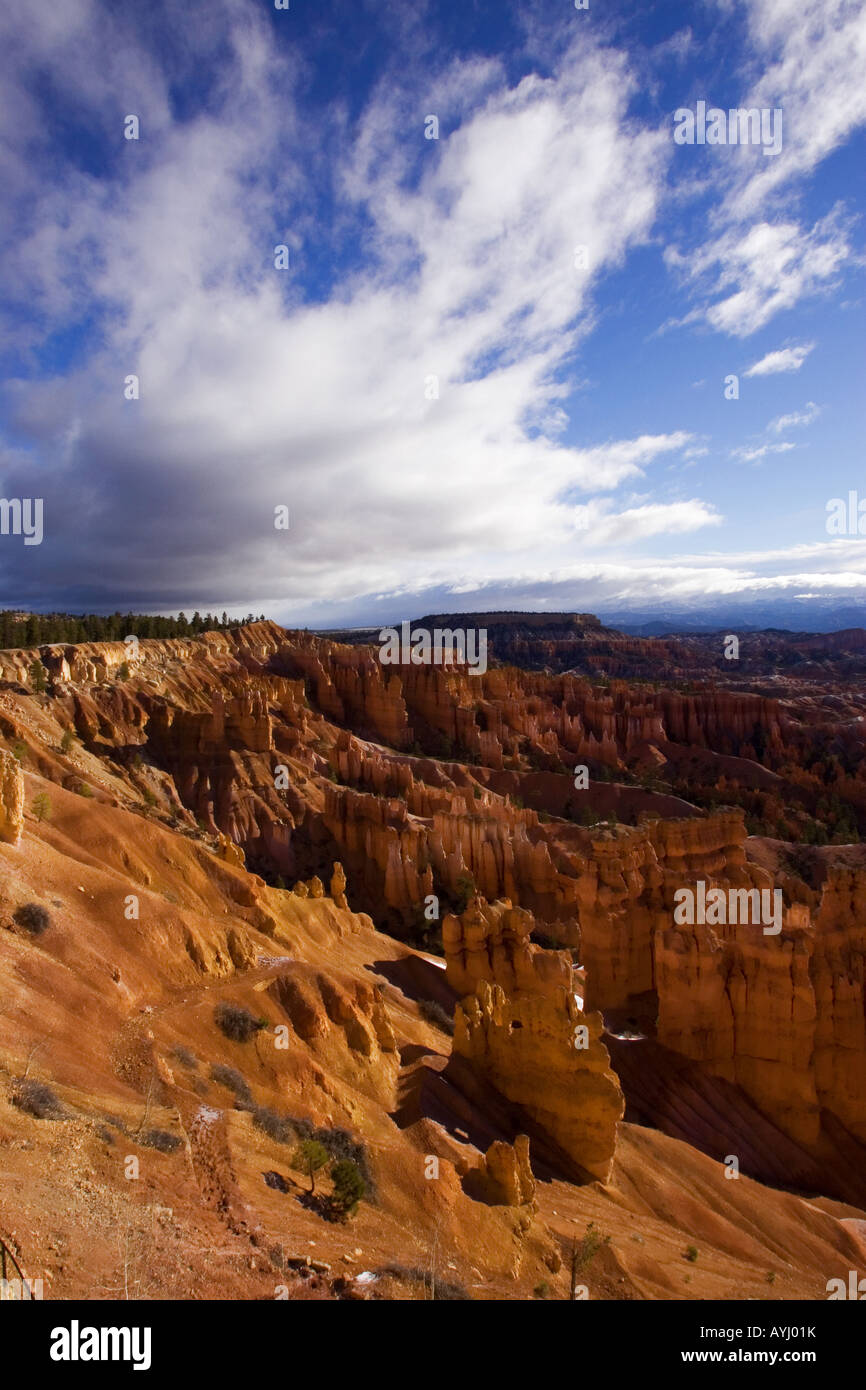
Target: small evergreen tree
41	806
38	676
309	1157
349	1186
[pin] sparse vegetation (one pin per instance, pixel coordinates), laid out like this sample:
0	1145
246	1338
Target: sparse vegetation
541	1290
583	1252
19	750
38	1100
236	1022
340	1144
84	790
439	1290
159	1139
233	1081
185	1057
691	1253
275	1126
67	741
434	1013
41	807
465	891
33	918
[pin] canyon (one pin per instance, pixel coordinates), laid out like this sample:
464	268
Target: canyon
444	900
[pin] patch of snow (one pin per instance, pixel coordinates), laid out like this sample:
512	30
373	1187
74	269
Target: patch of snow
366	1277
207	1115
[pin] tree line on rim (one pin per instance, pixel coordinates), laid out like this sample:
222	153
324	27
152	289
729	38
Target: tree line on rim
19	629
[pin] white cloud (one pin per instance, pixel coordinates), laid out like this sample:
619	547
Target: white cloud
757	258
813	54
781	360
761	451
464	268
796	419
770	267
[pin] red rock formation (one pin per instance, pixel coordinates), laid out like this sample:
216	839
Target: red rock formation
11	798
504	1175
782	1016
524	1047
491	941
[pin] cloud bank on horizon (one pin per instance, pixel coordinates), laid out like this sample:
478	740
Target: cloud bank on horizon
519	349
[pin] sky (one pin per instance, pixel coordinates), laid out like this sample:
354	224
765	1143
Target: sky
522	346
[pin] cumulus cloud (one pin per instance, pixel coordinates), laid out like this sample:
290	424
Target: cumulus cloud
410	416
402	388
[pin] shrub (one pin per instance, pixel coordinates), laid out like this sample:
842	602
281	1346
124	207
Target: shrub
583	1254
349	1187
340	1144
185	1057
159	1139
233	1081
691	1253
465	890
41	807
33	918
542	1290
434	1013
443	1290
275	1126
19	750
84	790
123	671
37	1099
236	1022
276	1181
309	1157
67	741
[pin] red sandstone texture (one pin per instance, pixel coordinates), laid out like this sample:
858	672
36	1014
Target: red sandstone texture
300	828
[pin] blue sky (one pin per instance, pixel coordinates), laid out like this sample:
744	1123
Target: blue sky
576	448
